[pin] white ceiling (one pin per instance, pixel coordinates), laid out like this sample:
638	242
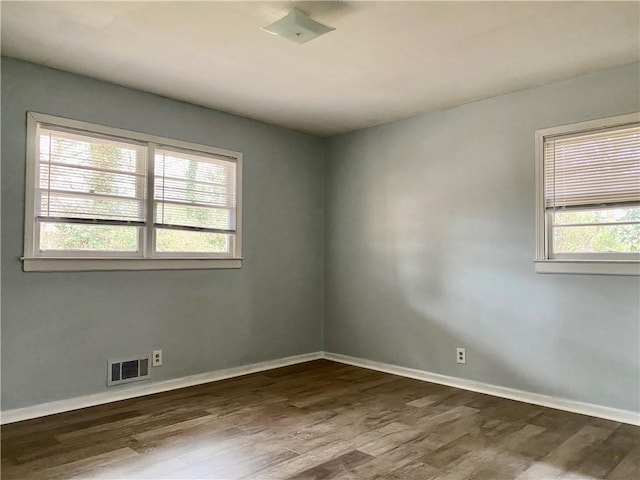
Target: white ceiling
384	61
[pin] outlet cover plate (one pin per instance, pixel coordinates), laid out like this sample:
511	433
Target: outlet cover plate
157	358
461	355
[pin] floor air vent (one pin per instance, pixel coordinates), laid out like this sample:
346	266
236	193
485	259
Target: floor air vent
129	370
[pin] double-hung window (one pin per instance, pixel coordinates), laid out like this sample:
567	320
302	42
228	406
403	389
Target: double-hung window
100	198
588	183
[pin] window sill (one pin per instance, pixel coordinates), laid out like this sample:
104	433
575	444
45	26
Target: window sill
67	264
588	267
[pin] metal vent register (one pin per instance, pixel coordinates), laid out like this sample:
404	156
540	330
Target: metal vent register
129	370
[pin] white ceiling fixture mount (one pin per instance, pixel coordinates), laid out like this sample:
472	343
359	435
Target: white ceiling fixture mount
297	27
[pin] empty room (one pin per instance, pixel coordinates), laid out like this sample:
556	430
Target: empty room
320	240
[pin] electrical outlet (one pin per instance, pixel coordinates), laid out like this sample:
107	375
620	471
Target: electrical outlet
157	358
461	355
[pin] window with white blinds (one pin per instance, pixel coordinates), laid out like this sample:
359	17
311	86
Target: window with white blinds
593	169
96	192
85	179
194	192
590	191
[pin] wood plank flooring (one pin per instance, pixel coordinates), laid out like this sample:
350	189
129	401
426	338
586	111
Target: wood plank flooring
320	420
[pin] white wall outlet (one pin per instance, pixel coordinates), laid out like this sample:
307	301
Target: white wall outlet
156	358
461	355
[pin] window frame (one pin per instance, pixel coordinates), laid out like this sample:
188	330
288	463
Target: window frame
146	258
583	263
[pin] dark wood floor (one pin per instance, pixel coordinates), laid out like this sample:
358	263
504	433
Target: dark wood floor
320	420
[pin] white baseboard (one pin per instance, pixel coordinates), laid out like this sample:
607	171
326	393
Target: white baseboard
624	416
124	393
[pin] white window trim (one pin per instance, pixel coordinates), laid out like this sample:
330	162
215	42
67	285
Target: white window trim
32	262
544	263
75	264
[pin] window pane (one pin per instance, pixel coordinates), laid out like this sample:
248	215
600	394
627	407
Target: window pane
605	215
187	241
195	190
69	236
82	176
596	239
593	168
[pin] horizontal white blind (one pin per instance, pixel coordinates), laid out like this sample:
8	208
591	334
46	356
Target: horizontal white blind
84	178
195	191
593	169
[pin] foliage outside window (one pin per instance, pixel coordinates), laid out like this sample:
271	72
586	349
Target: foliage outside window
589	197
96	193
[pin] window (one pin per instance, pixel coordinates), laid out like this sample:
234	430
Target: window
588	184
99	198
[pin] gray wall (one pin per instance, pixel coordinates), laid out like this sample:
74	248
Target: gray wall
58	329
429	241
428	229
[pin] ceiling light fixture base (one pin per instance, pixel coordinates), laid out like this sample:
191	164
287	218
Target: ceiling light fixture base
297	27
